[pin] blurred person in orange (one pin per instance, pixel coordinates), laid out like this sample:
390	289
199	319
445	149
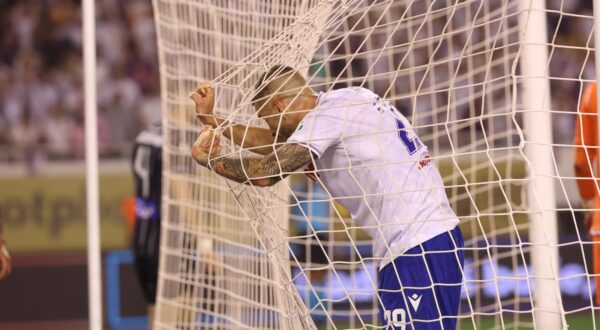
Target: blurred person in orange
5	265
585	161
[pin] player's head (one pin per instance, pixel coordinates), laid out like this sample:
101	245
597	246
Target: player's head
282	98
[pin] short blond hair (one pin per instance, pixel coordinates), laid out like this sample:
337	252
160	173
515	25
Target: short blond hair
279	81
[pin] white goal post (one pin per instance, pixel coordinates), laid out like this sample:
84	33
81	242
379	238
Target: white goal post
473	77
538	152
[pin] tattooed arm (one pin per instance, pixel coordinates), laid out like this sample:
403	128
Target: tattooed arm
262	171
255	139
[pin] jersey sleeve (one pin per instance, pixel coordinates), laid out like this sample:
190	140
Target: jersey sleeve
319	130
586	142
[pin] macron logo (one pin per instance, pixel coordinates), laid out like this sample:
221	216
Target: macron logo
415	300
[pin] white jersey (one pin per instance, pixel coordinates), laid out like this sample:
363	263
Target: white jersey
370	161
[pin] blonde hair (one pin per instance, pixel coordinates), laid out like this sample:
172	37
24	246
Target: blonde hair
279	81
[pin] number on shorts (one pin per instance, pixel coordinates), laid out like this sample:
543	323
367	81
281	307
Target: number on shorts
397	317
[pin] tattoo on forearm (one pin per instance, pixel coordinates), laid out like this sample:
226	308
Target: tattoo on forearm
263	171
230	168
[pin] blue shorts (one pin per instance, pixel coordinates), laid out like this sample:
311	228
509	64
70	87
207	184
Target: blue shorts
407	298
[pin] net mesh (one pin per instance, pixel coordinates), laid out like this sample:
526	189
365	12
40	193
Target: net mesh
291	257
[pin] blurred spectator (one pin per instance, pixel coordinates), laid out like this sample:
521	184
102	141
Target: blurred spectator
26	136
150	105
77	135
3	130
57	130
41	74
43	97
121	118
111	41
24	20
41	78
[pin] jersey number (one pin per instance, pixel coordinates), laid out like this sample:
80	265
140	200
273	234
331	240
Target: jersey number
412	143
141	167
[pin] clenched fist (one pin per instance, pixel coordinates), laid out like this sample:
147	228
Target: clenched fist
207	145
204	98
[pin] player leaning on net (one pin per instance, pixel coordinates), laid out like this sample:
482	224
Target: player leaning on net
366	155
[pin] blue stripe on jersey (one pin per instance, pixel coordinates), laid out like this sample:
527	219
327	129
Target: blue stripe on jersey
412	302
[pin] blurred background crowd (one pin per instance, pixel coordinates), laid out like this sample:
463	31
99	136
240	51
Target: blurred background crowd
41	80
41	97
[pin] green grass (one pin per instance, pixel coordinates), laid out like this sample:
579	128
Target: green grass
579	321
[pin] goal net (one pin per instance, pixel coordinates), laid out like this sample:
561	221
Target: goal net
473	78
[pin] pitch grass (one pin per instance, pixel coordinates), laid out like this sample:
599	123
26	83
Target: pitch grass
580	321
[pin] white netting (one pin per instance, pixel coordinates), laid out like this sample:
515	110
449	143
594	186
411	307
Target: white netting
239	256
235	285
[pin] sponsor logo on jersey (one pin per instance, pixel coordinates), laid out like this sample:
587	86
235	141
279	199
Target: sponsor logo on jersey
424	161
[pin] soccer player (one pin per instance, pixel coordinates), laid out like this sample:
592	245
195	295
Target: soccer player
369	159
147	168
5	265
586	158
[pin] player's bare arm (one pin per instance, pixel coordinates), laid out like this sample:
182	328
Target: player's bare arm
259	140
5	262
261	171
266	170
